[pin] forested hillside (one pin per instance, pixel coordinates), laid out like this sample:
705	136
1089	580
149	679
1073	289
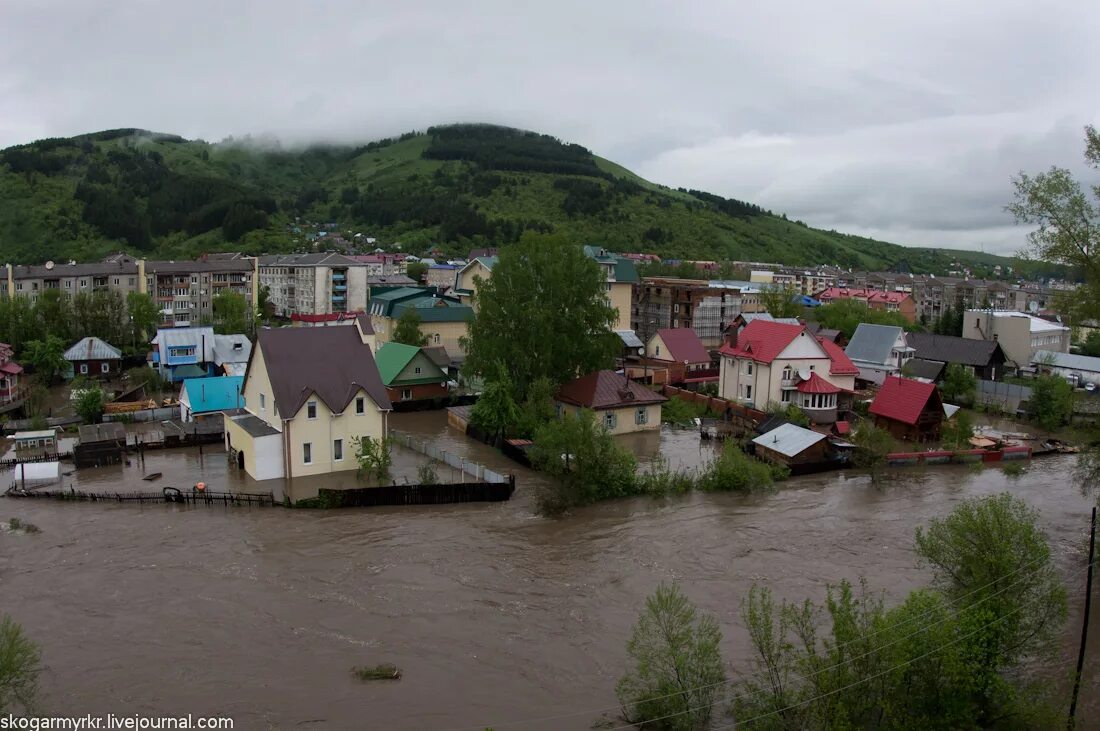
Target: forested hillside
455	186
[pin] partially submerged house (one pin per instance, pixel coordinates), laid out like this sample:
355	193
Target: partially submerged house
180	353
621	405
878	351
985	358
231	353
93	358
908	409
11	391
99	444
409	373
201	397
308	392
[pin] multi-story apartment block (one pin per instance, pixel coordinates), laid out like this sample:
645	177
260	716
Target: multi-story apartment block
117	272
1020	335
381	264
315	284
705	306
182	290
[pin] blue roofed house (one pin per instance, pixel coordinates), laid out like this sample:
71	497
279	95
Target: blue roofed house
202	396
180	353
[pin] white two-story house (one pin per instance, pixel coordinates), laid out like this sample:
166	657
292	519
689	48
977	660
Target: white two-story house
774	363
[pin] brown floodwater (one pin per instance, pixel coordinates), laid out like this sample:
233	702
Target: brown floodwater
495	615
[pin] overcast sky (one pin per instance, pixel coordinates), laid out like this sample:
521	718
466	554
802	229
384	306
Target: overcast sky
899	119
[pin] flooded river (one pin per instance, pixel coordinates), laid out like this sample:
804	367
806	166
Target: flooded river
494	615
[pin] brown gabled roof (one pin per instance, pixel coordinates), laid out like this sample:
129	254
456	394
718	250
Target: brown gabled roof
332	362
684	345
607	390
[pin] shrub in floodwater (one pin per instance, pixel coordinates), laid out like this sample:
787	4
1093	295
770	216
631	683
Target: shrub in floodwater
735	470
975	467
385	671
426	474
661	480
18	525
1013	469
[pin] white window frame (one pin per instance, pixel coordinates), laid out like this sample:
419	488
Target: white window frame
416	370
104	367
610	419
360	405
307	452
263	403
406	394
83	369
337	450
311	410
641	415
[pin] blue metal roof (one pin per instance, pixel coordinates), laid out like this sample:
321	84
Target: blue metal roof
214	394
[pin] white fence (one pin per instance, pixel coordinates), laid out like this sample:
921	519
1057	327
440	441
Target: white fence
479	472
161	413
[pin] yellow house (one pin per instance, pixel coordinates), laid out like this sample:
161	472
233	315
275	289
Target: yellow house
621	405
467	277
308	393
443	320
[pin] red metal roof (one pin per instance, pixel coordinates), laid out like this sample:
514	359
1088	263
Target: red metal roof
763	340
607	390
842	365
868	295
683	345
816	384
13	369
902	399
842	427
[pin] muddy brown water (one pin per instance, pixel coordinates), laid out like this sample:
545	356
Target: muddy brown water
495	616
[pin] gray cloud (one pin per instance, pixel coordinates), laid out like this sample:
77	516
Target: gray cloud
902	120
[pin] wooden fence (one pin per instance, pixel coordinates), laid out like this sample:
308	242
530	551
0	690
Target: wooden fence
167	495
455	492
53	457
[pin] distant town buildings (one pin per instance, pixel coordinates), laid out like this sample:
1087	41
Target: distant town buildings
315	284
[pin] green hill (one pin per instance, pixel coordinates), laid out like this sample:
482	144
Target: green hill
456	186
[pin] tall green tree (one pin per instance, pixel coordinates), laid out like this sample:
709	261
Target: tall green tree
1051	401
233	313
54	313
846	315
416	270
677	675
1065	216
407	329
89	405
47	356
544	312
101	314
143	314
991	553
781	301
496	412
958	383
18	323
20	665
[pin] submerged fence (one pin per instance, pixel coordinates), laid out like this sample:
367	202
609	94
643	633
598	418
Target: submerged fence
365	497
166	495
479	472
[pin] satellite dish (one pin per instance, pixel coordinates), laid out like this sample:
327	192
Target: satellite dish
1031	306
49	264
804	374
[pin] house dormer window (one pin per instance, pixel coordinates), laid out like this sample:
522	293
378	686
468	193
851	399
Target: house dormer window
311	410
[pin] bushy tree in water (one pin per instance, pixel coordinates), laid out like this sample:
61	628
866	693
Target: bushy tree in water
677	676
584	460
1051	401
958	383
20	665
496	412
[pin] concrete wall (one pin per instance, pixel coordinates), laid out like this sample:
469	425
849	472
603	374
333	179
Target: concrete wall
619	296
358	289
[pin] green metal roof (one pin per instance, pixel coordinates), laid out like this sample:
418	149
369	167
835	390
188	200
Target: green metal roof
625	271
435	309
394	295
392	358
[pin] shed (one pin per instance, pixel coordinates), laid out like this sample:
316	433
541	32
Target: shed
100	444
94	358
40	439
791	444
201	396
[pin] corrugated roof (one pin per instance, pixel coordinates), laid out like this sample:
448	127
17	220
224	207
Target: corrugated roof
903	399
231	349
392	359
110	431
1067	360
684	345
952	349
213	394
254	425
200	338
873	343
920	368
607	390
763	340
789	439
92	348
630	339
331	362
842	365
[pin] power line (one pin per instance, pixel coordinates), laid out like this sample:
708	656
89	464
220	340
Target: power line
869	678
595	711
819	671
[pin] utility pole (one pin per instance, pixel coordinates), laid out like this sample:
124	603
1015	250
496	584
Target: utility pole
1084	625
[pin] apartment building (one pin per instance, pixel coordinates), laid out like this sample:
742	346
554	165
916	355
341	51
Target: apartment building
705	306
315	284
1020	335
382	264
182	290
